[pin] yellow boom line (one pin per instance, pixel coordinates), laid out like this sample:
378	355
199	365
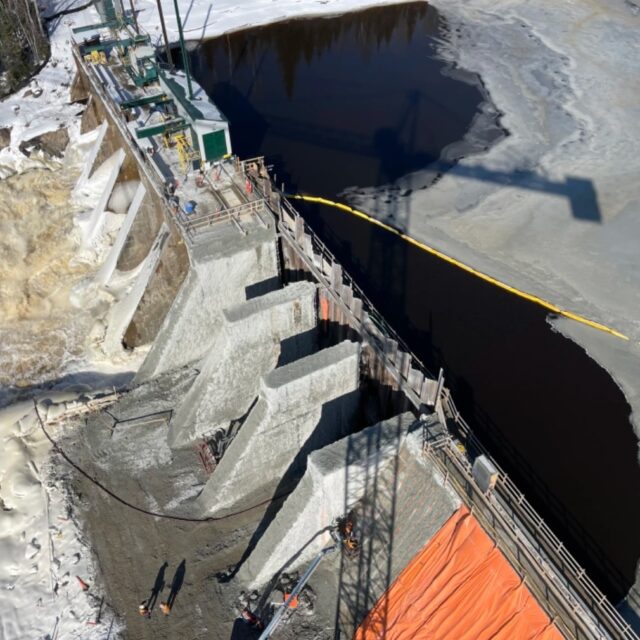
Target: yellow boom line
443	256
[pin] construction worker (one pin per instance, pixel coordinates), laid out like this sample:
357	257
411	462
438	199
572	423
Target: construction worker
144	610
350	541
165	607
294	601
351	544
251	619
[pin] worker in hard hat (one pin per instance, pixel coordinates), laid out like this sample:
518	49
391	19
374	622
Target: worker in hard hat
165	607
143	609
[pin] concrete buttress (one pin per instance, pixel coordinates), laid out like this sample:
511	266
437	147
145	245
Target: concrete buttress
302	407
122	312
221	272
394	495
109	265
246	347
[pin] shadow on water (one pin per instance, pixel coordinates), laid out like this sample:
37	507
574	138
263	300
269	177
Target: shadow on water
363	100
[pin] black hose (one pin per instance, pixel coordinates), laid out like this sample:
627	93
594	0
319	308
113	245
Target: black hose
124	502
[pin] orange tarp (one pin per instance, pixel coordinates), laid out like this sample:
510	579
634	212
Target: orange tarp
459	587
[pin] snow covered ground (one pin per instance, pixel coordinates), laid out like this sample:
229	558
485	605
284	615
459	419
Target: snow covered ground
42	552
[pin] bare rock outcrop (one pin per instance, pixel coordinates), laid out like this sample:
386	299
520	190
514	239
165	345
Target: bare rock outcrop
52	143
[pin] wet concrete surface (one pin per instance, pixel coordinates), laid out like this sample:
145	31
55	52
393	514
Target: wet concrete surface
131	548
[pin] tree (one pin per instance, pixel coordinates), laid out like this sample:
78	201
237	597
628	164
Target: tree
23	42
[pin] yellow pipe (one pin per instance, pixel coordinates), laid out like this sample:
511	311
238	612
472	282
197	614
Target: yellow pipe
527	296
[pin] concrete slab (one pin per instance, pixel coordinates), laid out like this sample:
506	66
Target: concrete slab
246	347
302	407
220	274
402	508
397	500
130	436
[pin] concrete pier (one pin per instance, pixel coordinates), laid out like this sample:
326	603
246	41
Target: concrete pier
89	161
302	406
396	497
93	225
121	313
222	272
247	346
109	265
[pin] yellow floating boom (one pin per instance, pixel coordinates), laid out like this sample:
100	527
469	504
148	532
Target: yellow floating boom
443	256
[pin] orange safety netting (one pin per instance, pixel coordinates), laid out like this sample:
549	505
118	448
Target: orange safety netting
459	587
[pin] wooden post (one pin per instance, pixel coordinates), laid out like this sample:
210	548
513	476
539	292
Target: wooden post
404	364
347	295
356	308
391	350
299	231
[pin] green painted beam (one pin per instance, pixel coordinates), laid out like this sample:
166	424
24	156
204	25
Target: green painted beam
139	102
92	27
169	126
111	24
104	45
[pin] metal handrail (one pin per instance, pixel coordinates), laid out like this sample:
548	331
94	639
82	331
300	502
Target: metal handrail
561	603
193	224
154	177
386	331
563	559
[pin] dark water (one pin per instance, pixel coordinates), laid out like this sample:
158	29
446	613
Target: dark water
361	100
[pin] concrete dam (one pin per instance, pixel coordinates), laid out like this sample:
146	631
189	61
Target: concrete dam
280	444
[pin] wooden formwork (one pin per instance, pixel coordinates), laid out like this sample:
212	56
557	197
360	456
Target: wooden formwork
343	308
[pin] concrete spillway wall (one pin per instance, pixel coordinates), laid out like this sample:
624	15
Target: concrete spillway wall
109	265
381	476
173	264
247	346
122	313
302	406
89	162
221	272
93	225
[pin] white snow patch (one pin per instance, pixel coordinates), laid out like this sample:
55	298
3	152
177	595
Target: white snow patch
41	549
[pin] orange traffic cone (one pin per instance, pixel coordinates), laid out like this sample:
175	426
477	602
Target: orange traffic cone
83	585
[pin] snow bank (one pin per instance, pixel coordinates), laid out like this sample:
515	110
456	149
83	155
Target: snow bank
42	550
201	19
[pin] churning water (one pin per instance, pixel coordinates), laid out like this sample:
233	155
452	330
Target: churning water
41	333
